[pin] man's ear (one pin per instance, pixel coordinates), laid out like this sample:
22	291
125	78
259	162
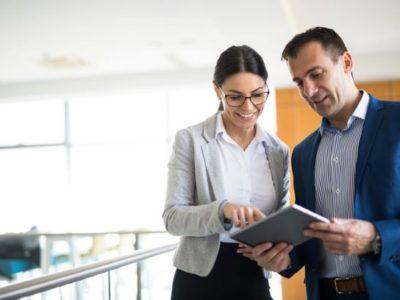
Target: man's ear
347	60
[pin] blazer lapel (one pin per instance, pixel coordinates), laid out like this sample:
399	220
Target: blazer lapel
372	123
212	162
275	166
310	172
210	153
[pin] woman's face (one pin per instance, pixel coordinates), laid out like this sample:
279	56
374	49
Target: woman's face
245	116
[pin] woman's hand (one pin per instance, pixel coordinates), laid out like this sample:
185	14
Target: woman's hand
273	257
242	215
246	251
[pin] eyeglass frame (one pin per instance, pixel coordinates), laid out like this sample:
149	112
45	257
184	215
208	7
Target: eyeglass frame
245	98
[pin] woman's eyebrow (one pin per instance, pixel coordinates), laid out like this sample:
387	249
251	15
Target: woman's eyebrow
237	92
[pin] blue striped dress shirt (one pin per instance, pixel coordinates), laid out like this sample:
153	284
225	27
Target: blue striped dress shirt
335	169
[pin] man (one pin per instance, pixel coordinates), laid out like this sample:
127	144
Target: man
347	170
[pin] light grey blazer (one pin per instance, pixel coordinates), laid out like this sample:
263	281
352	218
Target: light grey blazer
195	193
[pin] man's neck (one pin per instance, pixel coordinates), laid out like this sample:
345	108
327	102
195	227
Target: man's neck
340	120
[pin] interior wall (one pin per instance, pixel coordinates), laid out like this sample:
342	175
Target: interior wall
296	120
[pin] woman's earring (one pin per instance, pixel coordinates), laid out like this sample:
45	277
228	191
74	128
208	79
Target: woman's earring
221	106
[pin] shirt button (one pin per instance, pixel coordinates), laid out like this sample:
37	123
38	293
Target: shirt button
338	191
341	257
336	159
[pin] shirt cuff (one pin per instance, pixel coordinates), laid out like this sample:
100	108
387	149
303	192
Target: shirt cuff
226	223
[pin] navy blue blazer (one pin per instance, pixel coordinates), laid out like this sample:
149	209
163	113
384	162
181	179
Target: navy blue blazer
376	199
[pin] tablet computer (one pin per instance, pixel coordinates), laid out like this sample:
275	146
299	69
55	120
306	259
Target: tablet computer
285	225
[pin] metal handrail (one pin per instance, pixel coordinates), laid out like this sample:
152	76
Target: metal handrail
4	236
48	282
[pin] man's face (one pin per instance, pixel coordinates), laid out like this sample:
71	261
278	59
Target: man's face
321	81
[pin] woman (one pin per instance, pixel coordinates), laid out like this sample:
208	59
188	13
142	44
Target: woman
225	172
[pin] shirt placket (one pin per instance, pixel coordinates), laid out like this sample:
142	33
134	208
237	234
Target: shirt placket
246	179
337	186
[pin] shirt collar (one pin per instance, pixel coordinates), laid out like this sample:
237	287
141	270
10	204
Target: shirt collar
359	113
362	107
219	128
221	131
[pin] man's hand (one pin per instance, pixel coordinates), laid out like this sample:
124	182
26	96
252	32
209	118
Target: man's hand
242	215
272	257
344	236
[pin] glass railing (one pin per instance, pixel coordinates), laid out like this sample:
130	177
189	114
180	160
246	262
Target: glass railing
149	278
142	275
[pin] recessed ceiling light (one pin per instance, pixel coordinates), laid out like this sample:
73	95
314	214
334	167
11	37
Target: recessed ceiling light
62	62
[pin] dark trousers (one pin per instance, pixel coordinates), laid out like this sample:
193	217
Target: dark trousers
232	277
329	293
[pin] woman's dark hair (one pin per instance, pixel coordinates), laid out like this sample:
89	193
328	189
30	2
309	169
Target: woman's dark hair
238	59
328	38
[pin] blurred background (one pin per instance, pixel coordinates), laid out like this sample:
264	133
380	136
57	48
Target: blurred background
93	92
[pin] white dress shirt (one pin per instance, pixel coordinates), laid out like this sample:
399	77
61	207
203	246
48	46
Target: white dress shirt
246	173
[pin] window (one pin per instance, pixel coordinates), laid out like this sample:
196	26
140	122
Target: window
98	163
38	122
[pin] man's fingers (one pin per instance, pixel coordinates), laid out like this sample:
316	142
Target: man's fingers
336	251
335	245
341	221
329	237
337	248
327	227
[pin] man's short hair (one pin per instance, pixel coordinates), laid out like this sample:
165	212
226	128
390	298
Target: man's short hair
328	38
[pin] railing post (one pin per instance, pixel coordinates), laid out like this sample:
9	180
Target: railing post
138	269
109	284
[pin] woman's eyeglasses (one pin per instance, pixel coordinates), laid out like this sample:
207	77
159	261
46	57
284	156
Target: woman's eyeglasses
236	100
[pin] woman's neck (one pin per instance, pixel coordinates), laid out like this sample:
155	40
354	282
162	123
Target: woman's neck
242	136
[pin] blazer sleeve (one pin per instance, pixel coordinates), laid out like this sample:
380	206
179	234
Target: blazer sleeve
183	215
296	256
389	231
296	262
284	201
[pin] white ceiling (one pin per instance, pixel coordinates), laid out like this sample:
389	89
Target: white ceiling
171	41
